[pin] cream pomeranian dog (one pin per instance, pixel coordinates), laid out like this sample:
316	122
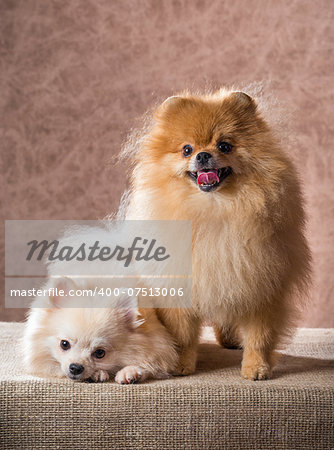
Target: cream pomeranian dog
214	160
95	343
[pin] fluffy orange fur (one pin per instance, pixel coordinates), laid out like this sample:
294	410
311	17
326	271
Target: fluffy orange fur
250	257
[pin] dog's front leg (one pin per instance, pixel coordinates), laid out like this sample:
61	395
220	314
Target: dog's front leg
184	326
259	342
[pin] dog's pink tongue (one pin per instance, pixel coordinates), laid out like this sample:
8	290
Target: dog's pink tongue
210	177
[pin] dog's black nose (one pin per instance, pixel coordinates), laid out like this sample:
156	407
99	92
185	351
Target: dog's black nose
76	369
203	157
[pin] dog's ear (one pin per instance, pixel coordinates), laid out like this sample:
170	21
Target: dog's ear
60	292
243	101
128	309
173	104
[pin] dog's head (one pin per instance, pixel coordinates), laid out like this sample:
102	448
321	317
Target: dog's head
209	143
86	339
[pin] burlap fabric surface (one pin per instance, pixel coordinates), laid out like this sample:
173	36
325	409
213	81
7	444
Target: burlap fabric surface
212	409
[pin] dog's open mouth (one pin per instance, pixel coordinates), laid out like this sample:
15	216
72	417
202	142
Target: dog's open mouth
209	179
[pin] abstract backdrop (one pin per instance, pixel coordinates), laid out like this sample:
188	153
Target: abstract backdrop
77	75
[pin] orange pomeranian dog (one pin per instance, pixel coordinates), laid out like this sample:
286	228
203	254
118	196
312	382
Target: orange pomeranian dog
214	160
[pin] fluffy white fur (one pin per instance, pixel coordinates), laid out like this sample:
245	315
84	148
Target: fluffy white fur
136	345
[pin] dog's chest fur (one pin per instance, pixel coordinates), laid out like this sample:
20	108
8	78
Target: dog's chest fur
226	270
232	257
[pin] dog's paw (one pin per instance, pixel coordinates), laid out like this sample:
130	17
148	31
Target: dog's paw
100	375
186	364
129	375
256	372
184	369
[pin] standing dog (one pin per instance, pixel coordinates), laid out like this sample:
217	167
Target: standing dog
214	160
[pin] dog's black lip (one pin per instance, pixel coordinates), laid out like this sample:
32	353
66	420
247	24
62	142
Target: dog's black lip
222	173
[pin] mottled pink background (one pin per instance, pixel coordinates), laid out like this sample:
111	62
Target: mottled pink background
75	76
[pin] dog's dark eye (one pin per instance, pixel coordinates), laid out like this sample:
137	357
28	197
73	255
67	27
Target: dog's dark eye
99	353
224	147
65	345
187	150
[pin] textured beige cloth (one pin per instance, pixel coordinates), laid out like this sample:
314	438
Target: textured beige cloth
212	409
